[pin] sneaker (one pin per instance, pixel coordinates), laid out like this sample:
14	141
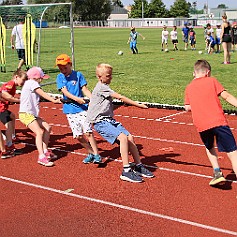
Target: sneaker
97	159
131	176
44	161
7	154
218	178
142	171
50	155
13	150
10	148
88	159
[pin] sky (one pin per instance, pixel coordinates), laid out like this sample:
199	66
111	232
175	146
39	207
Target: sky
200	3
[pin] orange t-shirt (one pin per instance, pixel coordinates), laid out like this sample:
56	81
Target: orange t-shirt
9	87
202	95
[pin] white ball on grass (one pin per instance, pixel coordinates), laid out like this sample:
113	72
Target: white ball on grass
200	52
166	50
120	52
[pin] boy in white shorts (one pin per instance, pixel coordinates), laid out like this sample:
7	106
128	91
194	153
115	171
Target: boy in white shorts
29	113
73	85
164	38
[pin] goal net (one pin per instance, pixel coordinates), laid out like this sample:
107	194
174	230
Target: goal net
54	32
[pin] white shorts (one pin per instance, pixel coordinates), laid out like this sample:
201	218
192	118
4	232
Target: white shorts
78	124
164	41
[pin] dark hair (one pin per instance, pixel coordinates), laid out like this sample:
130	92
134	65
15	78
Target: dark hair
202	65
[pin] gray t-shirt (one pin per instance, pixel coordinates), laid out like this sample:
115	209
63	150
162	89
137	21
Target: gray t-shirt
100	106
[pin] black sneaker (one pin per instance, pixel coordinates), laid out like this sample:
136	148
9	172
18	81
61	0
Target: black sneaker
131	176
142	171
217	178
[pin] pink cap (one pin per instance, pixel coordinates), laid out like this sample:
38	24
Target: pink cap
36	73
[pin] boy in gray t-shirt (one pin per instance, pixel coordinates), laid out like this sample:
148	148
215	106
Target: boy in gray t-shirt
100	113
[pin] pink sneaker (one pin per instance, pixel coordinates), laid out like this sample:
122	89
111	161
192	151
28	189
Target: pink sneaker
44	161
50	155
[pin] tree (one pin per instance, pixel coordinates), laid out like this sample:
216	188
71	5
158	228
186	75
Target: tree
117	2
180	8
157	9
89	10
136	11
222	6
12	2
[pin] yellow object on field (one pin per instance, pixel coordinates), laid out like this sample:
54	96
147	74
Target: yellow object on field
2	46
29	39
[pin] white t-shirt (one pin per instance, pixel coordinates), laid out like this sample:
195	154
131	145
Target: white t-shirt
17	32
174	35
165	34
29	100
218	32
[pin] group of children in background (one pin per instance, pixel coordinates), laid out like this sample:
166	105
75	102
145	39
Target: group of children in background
212	37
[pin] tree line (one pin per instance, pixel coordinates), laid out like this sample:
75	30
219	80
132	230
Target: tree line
86	10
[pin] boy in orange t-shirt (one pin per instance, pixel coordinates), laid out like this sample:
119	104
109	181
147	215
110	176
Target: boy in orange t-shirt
201	98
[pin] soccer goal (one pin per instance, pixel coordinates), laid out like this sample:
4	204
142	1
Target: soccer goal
53	35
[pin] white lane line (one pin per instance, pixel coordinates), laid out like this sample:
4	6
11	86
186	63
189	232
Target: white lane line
144	212
149	166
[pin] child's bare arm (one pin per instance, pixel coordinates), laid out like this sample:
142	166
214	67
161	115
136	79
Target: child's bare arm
128	101
9	97
86	91
79	100
43	94
229	98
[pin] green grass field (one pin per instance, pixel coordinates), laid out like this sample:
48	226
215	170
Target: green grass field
151	76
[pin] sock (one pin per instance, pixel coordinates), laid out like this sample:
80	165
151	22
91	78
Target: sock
45	151
41	156
9	143
217	170
126	168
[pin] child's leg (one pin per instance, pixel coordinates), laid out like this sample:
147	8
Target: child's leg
9	131
13	117
85	144
233	158
124	148
2	145
93	143
133	149
46	132
38	131
212	156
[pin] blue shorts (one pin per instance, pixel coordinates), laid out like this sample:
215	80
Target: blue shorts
224	139
110	130
185	38
218	41
133	44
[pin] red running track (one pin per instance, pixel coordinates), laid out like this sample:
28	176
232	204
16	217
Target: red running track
73	199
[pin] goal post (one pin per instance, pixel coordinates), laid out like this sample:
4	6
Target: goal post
54	31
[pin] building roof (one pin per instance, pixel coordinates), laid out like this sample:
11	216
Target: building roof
118	10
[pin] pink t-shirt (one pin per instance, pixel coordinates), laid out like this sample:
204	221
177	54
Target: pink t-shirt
202	95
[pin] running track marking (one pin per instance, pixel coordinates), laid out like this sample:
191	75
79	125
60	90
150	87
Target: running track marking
165	119
150	166
148	213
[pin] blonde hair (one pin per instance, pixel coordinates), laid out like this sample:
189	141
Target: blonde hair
202	66
102	67
20	73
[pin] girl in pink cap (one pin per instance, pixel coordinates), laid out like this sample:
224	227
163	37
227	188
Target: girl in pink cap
29	113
